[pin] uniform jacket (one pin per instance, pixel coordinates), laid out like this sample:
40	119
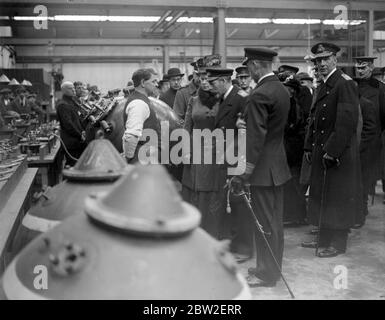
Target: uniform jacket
182	98
70	126
168	97
267	111
333	130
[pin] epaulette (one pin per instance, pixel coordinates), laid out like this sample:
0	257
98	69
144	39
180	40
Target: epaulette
243	93
345	76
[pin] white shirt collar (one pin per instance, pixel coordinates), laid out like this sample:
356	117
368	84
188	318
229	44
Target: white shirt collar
328	76
228	92
265	76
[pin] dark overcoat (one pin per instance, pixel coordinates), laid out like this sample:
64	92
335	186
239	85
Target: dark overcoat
168	97
182	98
333	130
70	126
372	90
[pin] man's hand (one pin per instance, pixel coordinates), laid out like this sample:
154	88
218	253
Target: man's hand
238	183
329	161
308	157
83	137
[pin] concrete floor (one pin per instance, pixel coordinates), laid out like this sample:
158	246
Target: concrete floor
312	278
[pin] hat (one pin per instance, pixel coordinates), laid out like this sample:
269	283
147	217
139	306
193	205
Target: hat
174	72
5	91
4	79
210	61
164	79
363	61
242	71
324	49
261	53
286	67
215	73
304	76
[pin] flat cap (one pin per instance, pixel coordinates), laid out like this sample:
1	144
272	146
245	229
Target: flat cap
324	49
286	67
215	73
242	71
260	53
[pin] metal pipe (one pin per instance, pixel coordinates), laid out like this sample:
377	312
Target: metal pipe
161	19
174	20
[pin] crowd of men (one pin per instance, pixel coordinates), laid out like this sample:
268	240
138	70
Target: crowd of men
313	145
19	103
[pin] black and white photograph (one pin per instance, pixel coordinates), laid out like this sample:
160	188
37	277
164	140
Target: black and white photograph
183	153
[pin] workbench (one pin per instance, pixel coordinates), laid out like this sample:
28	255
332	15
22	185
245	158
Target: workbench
13	212
50	166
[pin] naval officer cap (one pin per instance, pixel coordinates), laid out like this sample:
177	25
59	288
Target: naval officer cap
242	71
261	54
216	73
363	61
324	50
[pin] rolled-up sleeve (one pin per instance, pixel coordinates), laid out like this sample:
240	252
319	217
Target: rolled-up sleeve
137	113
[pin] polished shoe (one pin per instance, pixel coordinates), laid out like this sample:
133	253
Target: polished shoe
329	252
309	244
255	282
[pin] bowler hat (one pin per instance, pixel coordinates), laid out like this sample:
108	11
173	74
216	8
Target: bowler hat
174	72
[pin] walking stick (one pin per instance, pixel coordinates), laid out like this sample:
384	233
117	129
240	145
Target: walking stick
247	200
323	191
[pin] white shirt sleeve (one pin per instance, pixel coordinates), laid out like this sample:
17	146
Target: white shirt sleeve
137	113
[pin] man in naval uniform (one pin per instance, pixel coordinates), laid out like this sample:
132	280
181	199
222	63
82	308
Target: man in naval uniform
266	164
331	147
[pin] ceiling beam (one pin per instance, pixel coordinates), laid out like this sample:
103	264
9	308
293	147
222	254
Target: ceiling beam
204	4
169	42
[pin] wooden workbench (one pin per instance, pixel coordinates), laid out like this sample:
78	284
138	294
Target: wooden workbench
50	166
13	212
